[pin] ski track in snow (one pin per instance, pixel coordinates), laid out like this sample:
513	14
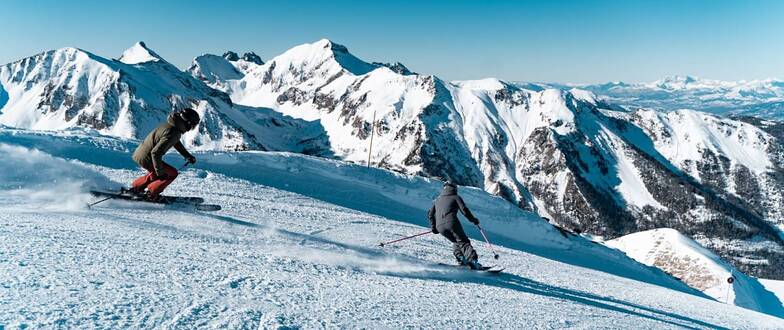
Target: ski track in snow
276	259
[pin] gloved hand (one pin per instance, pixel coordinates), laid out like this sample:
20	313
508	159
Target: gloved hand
435	231
475	221
190	159
162	176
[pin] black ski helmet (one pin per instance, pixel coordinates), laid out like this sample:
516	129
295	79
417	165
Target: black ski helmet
190	117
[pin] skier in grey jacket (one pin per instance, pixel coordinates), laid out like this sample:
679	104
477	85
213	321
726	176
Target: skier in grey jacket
443	220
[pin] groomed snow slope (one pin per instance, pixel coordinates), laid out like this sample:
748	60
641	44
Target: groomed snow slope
274	258
388	194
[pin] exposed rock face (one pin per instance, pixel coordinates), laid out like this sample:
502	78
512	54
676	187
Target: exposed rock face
231	56
252	58
397	67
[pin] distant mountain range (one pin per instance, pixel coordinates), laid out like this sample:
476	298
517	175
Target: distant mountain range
759	98
591	164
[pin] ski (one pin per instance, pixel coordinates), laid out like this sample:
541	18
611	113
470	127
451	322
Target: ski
195	202
495	269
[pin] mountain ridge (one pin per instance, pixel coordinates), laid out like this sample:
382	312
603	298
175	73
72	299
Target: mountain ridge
490	126
585	163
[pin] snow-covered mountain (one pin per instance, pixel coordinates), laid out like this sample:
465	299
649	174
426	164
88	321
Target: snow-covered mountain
740	160
214	69
682	257
288	250
585	163
760	98
128	97
418	128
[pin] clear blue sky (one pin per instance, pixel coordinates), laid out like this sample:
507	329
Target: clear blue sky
554	41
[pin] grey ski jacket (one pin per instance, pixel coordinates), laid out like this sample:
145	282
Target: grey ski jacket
443	214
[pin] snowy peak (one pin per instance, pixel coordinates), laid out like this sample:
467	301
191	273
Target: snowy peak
675	82
217	71
139	53
212	68
324	51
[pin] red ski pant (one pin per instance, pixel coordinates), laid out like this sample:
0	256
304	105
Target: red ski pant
155	186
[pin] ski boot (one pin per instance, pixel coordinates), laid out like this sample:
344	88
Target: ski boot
134	193
461	260
155	198
475	265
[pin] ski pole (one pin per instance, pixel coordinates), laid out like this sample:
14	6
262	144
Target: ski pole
90	205
403	239
495	255
183	166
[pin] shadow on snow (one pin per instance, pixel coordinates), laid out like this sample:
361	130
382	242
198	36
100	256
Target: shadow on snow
503	281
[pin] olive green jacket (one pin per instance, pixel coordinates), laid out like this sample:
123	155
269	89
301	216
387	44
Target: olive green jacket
149	154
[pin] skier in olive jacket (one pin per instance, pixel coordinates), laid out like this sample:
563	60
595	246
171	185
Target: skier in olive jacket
443	220
149	154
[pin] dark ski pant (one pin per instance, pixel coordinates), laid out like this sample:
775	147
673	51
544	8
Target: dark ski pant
461	245
154	186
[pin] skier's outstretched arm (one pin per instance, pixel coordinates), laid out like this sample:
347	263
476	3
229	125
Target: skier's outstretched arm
466	212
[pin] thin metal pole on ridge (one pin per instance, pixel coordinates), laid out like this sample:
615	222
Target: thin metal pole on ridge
404	238
372	132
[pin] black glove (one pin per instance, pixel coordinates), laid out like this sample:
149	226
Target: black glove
475	221
162	176
190	159
435	231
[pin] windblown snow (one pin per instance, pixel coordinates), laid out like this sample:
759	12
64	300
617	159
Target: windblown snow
275	258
